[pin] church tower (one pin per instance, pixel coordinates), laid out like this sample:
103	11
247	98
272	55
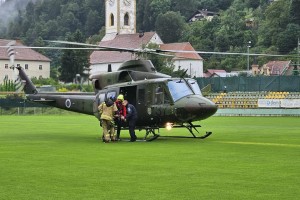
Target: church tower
120	18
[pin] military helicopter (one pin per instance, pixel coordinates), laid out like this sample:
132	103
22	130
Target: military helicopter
161	101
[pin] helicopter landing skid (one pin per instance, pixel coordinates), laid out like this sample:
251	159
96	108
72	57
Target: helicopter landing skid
147	137
152	131
191	127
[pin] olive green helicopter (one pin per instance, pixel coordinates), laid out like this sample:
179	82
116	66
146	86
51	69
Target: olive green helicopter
161	101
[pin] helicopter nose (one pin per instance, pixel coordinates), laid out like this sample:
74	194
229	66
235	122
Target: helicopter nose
200	107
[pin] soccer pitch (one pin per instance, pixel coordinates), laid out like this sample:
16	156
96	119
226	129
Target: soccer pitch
62	157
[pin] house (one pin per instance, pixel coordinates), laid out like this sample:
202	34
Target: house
99	60
202	15
277	68
215	73
190	61
34	63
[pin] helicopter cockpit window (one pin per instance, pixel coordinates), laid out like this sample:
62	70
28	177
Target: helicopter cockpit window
179	89
193	83
111	95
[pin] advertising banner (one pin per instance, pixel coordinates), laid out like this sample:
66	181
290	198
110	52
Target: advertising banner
290	103
268	103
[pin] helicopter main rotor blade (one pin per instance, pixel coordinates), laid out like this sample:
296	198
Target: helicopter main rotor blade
225	53
159	52
106	48
94	46
54	48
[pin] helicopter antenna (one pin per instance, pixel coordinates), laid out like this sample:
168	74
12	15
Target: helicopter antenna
182	75
130	76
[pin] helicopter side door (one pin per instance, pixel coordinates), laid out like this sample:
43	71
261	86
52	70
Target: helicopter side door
129	94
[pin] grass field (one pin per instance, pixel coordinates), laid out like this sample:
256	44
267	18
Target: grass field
61	157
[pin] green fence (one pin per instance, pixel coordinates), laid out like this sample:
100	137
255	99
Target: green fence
24	107
248	84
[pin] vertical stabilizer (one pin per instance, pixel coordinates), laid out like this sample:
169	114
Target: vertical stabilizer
29	88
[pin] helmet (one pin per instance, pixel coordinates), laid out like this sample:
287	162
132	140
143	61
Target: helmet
121	97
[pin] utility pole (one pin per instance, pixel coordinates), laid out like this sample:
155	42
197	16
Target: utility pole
297	68
248	58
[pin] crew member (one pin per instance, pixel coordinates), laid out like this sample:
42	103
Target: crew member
121	114
131	117
107	112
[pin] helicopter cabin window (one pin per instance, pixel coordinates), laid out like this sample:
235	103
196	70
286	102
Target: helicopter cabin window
112	20
179	89
160	95
111	95
126	19
101	98
194	85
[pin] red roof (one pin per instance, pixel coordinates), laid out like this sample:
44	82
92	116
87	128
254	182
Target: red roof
21	54
278	67
185	46
131	41
212	72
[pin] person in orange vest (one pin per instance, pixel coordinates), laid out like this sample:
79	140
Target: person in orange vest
121	114
107	111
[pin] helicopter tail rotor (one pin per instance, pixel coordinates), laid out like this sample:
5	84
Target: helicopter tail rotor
16	79
21	80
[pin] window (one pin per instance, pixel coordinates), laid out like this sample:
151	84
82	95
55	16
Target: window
179	89
193	83
6	66
111	94
101	98
40	67
26	66
126	19
112	20
160	95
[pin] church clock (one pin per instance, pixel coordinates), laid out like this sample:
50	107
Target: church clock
127	2
111	2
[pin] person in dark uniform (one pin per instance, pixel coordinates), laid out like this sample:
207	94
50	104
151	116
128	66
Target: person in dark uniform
131	117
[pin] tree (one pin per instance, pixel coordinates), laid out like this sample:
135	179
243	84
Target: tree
185	7
170	26
294	11
92	24
74	62
288	39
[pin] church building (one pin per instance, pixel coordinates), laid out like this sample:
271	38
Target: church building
120	26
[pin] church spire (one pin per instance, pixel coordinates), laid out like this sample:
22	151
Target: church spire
120	18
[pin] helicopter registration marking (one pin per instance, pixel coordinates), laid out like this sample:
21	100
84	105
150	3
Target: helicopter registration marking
68	103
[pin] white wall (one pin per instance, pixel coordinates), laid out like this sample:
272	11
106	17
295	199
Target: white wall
194	67
98	68
32	71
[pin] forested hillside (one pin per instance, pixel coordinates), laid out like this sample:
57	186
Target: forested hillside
274	27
